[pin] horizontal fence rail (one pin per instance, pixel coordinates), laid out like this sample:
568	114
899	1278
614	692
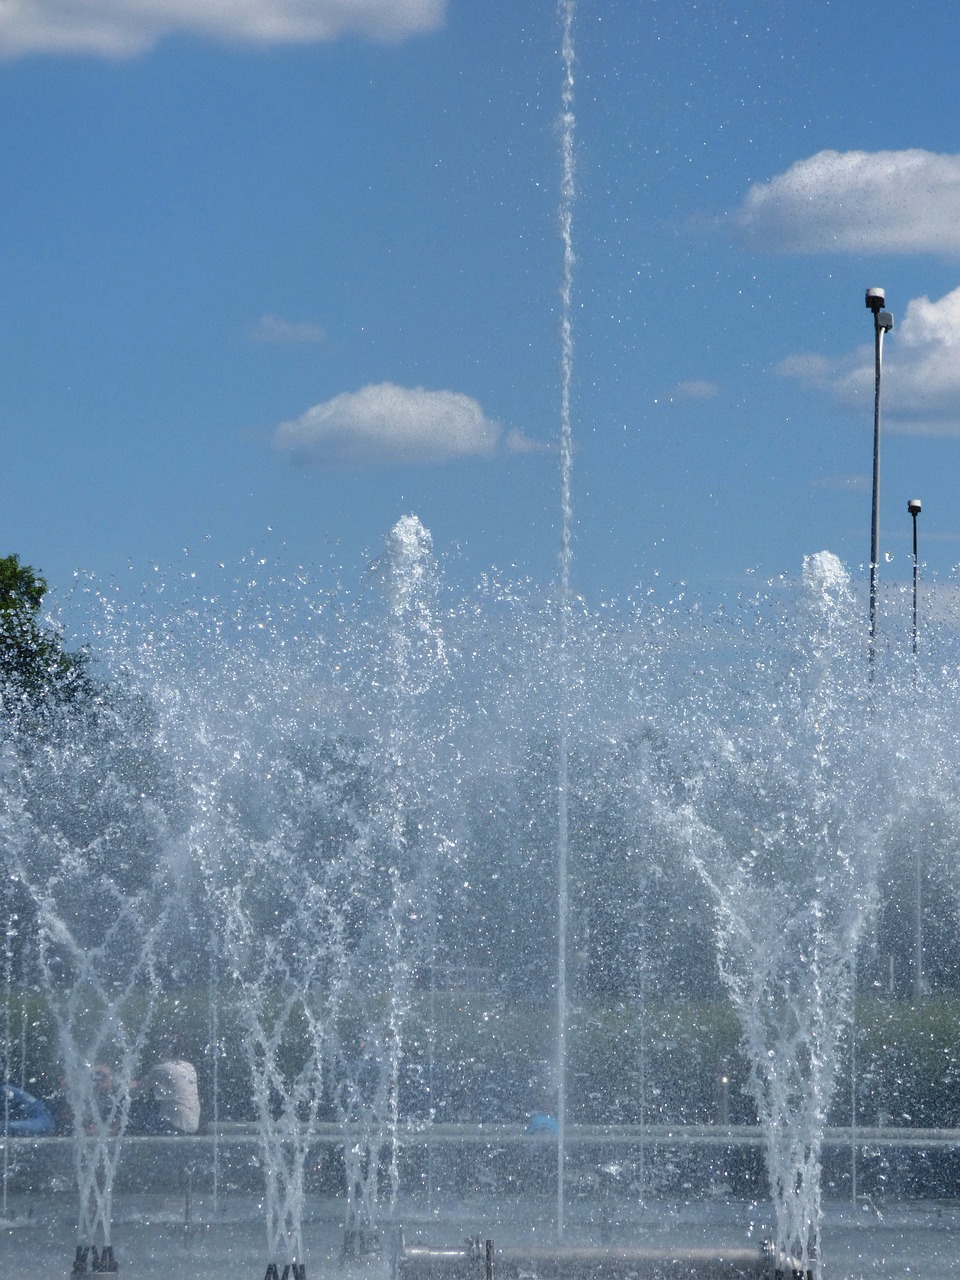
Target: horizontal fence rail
242	1133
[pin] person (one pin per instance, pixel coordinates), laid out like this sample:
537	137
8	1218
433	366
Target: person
26	1115
166	1100
99	1110
104	1101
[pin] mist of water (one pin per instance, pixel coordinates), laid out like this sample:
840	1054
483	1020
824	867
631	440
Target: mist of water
325	781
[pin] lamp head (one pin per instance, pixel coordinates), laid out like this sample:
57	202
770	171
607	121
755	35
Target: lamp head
913	506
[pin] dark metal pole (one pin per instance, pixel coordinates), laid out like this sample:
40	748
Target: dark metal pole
882	323
875	507
914	507
918	922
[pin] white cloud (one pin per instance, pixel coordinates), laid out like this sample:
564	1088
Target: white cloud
857	202
516	442
921	370
121	28
271	328
387	425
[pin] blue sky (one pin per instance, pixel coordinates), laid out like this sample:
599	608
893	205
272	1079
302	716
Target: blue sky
277	272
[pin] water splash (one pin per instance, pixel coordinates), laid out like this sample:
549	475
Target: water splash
277	929
776	783
307	757
320	762
86	842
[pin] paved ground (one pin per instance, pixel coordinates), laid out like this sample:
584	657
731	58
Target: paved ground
920	1241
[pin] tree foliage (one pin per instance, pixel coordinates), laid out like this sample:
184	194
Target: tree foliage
35	668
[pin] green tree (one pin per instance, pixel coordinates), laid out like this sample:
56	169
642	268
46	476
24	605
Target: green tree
34	665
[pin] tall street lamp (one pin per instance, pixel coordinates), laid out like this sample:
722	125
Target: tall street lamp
914	506
882	323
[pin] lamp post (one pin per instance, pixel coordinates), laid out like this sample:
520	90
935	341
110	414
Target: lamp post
914	507
882	323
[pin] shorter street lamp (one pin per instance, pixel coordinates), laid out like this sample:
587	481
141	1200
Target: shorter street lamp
913	506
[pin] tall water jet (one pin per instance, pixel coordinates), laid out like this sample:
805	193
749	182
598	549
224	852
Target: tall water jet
565	10
409	719
781	787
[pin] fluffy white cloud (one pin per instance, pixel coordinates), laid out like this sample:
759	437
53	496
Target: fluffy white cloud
857	201
387	425
120	28
921	370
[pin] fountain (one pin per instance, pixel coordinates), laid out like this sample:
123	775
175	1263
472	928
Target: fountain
448	861
88	854
352	796
305	811
784	816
